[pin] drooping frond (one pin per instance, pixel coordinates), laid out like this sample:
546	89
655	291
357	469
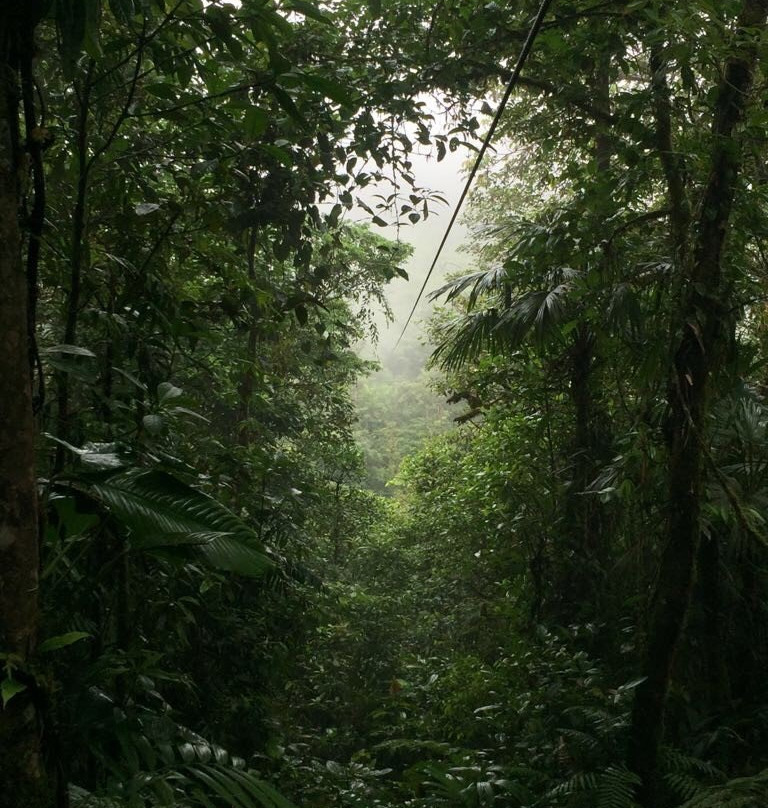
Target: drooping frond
479	283
161	511
743	792
539	313
193	774
616	788
623	312
232	787
466	337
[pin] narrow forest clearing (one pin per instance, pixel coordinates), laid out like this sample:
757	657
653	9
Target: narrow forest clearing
522	562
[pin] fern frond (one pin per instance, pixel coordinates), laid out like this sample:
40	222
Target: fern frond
685	786
582	740
675	761
578	783
743	792
616	788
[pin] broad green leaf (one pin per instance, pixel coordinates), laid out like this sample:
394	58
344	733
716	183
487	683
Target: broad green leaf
123	9
309	10
167	391
187	752
281	155
91	37
262	791
255	122
192	413
130	378
99	455
70	18
153	423
288	104
162	90
230	792
10	688
329	88
61	641
239	789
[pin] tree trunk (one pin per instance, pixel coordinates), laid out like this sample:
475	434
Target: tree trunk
698	357
23	781
715	689
582	587
78	258
247	381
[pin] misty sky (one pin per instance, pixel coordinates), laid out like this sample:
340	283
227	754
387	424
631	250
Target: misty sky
447	178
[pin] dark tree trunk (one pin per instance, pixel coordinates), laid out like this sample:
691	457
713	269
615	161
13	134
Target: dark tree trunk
580	586
698	357
247	382
78	258
582	581
716	685
23	781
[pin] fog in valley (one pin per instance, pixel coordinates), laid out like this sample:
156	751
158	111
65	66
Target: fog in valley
447	178
398	409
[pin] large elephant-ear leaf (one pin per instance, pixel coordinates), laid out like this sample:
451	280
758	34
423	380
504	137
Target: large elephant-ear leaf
227	553
162	512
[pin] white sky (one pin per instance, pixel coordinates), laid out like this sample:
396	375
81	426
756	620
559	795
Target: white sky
446	178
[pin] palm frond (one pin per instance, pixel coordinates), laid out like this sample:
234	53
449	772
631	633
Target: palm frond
480	283
540	312
623	310
160	511
466	337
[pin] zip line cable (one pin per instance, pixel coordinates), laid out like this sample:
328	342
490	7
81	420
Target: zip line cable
527	46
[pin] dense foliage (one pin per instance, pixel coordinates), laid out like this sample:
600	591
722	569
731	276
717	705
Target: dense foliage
233	571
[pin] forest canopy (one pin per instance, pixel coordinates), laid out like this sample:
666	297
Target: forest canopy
234	574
